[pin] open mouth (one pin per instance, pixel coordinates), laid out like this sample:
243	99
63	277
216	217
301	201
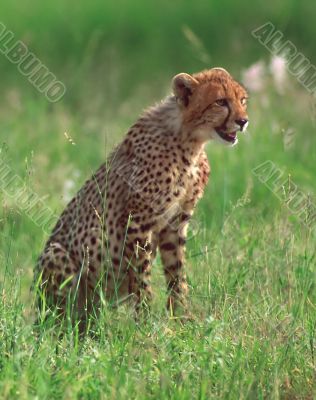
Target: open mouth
229	137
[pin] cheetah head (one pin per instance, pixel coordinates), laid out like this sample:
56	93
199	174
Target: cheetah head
213	105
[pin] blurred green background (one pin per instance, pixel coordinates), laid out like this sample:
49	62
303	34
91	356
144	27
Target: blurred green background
251	267
117	58
101	44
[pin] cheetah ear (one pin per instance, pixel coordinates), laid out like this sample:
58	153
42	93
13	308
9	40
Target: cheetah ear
183	86
221	69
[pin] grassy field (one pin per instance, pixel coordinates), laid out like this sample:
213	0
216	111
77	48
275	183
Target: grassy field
250	260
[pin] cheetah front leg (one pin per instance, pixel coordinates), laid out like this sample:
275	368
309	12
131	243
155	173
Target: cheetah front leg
172	250
138	256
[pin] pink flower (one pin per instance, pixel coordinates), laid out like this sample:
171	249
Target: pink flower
254	76
279	72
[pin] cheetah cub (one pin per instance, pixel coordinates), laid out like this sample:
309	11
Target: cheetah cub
142	199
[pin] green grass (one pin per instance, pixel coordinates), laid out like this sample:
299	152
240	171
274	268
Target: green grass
250	262
251	270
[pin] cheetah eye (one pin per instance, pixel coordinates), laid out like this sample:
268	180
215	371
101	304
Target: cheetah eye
222	102
243	101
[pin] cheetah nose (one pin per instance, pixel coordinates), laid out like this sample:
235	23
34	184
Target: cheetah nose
241	122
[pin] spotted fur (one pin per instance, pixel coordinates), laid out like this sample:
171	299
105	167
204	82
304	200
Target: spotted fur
142	199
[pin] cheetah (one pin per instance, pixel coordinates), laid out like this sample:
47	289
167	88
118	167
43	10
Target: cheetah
142	198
